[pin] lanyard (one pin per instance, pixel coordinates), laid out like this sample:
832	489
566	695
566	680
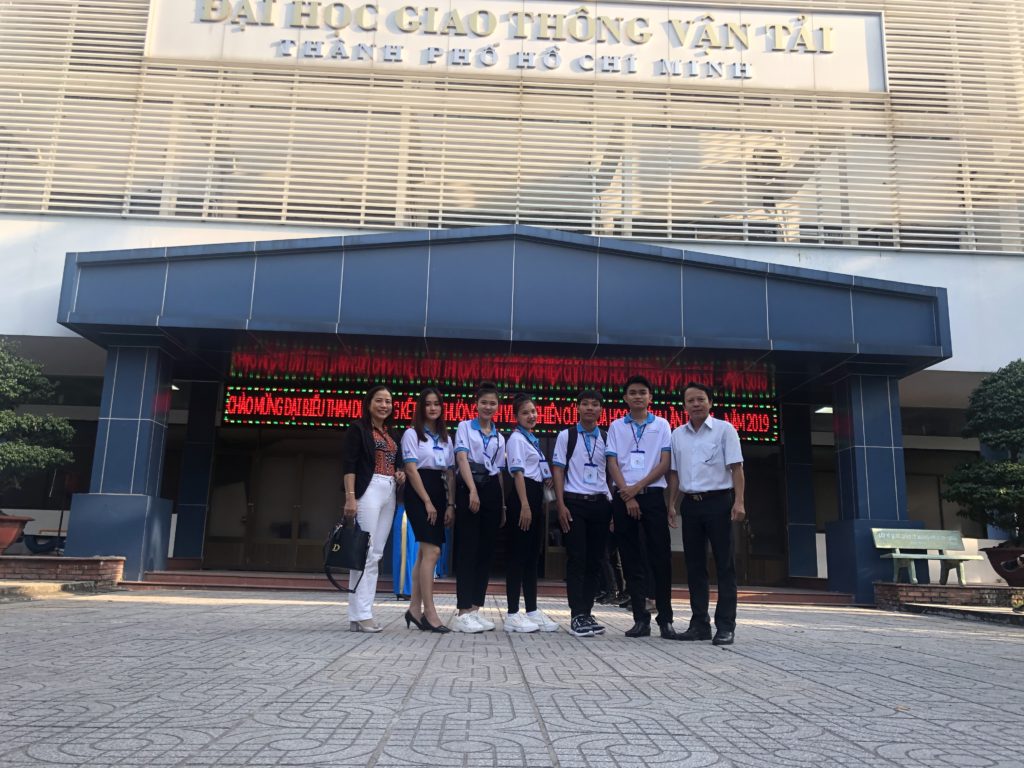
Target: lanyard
586	445
532	440
486	440
638	434
435	438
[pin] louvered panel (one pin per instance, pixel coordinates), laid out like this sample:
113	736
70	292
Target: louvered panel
91	127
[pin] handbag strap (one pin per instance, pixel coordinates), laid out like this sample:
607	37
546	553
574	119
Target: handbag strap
330	578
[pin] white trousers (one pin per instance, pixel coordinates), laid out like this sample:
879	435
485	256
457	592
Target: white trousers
375	512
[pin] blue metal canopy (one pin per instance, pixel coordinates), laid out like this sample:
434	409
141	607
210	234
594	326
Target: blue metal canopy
513	284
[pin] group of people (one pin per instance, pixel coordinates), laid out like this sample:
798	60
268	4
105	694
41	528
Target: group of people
639	479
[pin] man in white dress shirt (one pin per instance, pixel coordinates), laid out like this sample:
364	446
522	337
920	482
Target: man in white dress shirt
707	472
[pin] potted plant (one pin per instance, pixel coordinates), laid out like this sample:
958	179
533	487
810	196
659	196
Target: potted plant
29	443
992	491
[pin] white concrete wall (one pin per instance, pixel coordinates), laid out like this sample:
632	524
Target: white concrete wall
984	289
32	250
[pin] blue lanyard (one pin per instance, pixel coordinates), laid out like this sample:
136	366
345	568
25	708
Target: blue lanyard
638	434
532	440
486	440
435	438
586	444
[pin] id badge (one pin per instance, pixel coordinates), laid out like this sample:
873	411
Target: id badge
545	470
439	457
590	474
636	460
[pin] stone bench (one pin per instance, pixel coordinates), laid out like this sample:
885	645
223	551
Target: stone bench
900	540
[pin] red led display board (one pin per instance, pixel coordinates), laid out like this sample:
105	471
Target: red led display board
268	405
511	372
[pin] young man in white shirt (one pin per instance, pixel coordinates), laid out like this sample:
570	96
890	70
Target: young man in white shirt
638	458
707	471
584	509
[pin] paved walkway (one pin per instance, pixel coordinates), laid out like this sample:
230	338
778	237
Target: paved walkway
271	679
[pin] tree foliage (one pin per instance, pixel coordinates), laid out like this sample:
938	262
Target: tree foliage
29	443
992	492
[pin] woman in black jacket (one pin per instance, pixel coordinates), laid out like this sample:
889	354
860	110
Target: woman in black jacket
371	461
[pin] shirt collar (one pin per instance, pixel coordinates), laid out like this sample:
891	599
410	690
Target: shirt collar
648	420
475	424
708	422
594	434
532	439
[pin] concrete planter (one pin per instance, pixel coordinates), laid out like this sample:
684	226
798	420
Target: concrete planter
11	527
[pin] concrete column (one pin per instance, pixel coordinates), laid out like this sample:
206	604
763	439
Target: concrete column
870	479
801	524
196	469
122	514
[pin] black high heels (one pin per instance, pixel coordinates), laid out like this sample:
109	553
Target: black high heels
426	626
410	620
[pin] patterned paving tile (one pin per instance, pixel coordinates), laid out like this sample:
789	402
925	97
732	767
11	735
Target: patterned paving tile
182	679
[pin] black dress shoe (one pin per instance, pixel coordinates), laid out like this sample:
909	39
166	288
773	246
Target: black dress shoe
668	632
640	629
723	637
695	633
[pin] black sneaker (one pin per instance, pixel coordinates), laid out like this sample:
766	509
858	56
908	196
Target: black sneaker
597	627
580	627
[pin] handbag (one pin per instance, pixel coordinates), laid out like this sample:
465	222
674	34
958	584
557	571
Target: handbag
479	472
346	549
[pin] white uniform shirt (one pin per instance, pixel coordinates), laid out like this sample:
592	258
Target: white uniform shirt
638	447
585	469
488	450
524	455
701	458
432	452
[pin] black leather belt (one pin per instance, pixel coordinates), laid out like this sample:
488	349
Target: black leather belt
651	489
570	496
705	495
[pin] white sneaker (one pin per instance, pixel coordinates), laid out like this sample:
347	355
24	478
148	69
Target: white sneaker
517	622
487	624
544	624
467	623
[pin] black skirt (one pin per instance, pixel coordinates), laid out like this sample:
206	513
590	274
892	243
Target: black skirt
416	510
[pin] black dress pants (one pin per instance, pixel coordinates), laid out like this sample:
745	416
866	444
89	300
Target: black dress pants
524	548
585	549
653	523
475	536
706	521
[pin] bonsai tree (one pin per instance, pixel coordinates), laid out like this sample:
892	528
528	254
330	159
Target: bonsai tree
28	443
992	492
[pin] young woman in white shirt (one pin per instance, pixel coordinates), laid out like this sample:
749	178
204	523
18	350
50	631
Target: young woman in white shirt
530	473
479	508
429	457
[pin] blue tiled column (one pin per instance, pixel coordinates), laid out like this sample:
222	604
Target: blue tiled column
122	514
871	482
196	469
799	473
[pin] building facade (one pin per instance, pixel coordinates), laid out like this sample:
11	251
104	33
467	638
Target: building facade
880	140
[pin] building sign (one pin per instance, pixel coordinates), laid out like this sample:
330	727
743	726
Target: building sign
511	372
264	405
616	43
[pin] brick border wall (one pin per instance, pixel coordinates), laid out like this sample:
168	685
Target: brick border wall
891	597
103	570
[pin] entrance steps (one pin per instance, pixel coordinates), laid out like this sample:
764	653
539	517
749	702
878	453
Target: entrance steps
317	582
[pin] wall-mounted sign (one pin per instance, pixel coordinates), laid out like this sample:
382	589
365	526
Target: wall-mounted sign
331	363
609	42
266	405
